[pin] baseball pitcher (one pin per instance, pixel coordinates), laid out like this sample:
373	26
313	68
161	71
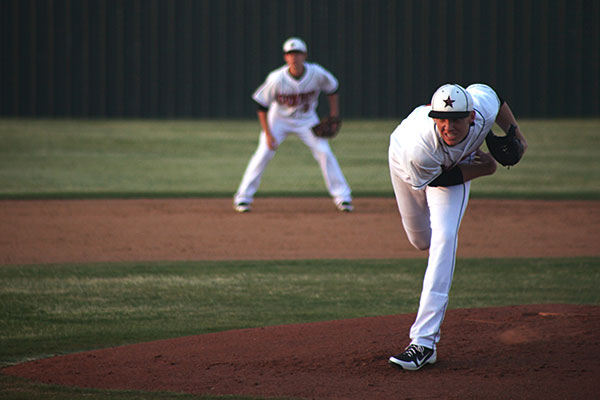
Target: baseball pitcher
434	155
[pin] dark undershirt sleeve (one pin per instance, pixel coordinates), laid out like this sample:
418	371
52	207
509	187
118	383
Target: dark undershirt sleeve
502	101
450	177
260	107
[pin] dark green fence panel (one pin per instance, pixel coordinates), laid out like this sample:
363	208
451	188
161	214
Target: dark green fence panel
204	58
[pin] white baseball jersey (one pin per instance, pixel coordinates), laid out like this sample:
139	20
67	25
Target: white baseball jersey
295	99
421	153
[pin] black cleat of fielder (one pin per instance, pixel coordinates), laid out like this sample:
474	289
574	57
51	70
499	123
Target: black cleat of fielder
242	207
345	206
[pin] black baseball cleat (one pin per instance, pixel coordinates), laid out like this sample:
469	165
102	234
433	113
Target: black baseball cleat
414	358
242	207
345	206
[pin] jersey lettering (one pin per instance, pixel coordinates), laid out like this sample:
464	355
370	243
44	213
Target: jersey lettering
294	100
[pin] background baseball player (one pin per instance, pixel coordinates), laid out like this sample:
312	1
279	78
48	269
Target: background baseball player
434	154
287	103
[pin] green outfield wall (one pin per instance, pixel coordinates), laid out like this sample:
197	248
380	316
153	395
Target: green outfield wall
204	58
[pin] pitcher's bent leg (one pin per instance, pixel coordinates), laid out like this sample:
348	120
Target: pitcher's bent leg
412	205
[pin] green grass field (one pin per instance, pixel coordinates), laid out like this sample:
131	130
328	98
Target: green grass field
63	308
58	309
153	158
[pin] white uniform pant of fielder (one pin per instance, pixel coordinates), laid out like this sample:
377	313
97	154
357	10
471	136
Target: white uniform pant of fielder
335	181
431	219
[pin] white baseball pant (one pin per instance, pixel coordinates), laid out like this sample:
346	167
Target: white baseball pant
431	219
335	181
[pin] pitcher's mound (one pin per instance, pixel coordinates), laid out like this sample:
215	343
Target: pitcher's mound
530	351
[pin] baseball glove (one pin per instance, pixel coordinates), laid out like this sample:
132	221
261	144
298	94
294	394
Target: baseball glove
328	127
507	150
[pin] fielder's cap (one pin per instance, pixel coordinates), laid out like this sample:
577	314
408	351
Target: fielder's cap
294	44
451	101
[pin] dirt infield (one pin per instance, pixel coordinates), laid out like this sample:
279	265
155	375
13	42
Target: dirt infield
208	229
533	351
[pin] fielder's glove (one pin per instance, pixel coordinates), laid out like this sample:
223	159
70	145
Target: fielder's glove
328	127
507	150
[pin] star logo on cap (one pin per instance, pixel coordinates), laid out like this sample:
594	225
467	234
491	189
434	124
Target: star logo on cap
449	102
